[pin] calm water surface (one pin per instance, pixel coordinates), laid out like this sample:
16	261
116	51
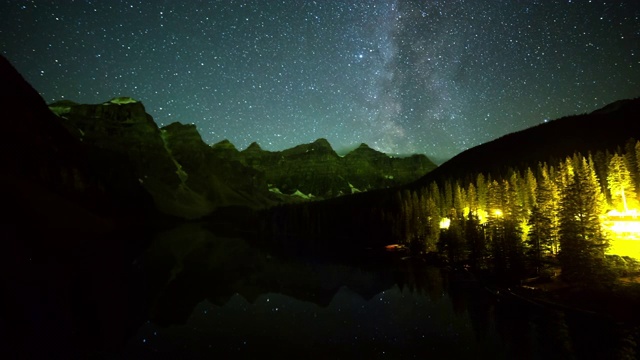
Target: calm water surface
214	296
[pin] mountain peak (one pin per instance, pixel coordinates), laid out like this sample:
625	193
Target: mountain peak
323	143
253	147
363	149
121	100
614	106
224	144
178	126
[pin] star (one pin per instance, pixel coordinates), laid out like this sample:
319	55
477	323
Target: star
403	76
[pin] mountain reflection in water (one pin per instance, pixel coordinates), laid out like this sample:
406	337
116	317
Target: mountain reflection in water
217	296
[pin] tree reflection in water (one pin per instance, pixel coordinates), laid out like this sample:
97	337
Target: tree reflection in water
222	296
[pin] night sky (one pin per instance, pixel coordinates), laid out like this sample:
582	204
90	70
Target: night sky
429	76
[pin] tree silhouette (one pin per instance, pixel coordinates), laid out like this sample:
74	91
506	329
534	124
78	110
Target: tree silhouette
620	182
582	240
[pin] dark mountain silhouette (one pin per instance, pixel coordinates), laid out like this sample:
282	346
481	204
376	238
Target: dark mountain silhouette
219	178
316	169
114	156
187	178
132	143
372	219
67	230
601	130
50	178
68	160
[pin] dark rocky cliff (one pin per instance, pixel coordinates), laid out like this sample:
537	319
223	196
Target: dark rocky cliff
182	174
128	141
218	177
371	169
112	157
50	178
189	179
316	169
309	168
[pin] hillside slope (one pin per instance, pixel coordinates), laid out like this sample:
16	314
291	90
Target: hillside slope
603	129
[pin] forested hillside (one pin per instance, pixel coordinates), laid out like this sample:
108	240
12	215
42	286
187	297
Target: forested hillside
519	222
549	212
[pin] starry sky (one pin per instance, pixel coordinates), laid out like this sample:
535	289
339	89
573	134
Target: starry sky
404	76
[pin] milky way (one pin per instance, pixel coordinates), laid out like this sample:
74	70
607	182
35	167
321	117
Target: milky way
434	77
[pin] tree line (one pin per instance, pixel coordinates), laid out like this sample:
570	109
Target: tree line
527	220
522	221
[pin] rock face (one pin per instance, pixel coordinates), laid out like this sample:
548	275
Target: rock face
310	168
126	140
215	175
180	172
188	178
63	229
371	169
316	169
50	177
113	157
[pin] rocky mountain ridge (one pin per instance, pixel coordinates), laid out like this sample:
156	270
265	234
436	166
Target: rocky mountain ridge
190	179
315	169
172	164
53	183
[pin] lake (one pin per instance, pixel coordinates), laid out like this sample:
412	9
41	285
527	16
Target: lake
191	294
212	296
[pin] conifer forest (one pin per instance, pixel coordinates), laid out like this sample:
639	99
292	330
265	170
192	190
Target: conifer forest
574	218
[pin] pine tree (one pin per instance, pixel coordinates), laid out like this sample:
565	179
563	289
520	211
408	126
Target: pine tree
531	186
472	198
459	198
637	169
434	193
620	182
408	217
448	197
433	224
601	166
593	178
514	198
582	241
539	237
631	160
476	241
546	213
418	225
452	239
494	199
481	189
564	173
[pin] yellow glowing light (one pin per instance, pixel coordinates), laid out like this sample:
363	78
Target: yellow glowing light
624	232
623	247
630	227
623	225
482	216
444	223
497	212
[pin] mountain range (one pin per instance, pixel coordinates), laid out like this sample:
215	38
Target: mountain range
110	163
188	178
86	187
112	157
